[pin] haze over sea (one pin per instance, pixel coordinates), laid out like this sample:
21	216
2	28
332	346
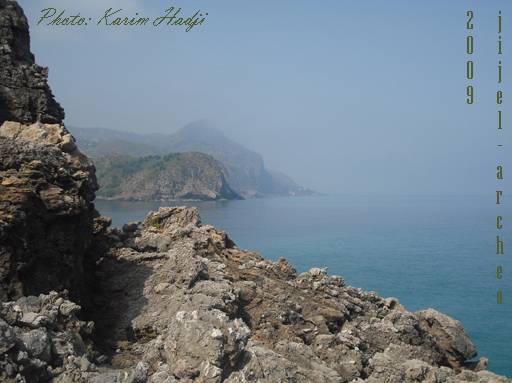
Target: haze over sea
428	251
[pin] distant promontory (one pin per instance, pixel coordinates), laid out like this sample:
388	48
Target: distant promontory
177	176
246	172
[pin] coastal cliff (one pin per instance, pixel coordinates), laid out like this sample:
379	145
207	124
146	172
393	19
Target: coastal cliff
46	211
46	184
193	176
172	300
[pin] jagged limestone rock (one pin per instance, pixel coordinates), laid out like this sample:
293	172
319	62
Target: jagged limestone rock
200	309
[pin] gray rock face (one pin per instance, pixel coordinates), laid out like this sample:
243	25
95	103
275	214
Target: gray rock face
24	93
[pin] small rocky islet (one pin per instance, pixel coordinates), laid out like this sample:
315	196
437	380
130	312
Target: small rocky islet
170	299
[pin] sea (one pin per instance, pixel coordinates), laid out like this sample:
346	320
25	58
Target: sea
427	251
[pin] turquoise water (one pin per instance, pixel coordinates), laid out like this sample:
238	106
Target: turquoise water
427	251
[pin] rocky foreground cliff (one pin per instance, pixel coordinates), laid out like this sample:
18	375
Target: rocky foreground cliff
170	299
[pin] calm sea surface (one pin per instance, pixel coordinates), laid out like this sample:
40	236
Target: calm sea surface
427	251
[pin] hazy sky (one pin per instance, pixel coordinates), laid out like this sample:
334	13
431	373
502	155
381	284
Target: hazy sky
344	96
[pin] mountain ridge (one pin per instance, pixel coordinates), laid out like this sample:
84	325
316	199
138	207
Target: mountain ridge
246	170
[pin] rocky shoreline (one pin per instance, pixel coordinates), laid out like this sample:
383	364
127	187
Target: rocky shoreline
174	300
170	299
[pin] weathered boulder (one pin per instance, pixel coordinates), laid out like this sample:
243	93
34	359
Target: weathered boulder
449	335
